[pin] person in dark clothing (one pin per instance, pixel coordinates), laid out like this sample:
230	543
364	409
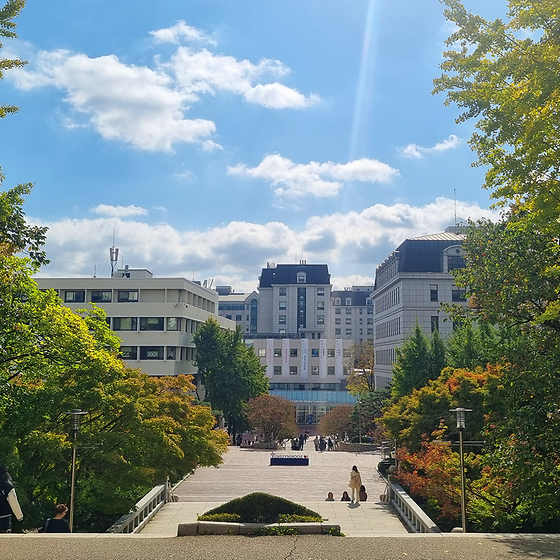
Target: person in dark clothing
8	502
363	493
57	524
345	497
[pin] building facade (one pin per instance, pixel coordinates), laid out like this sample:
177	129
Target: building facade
155	318
239	307
410	285
352	314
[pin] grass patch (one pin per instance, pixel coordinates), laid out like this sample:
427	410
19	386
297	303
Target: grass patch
259	507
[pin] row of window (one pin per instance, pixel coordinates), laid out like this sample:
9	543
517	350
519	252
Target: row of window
390	299
261	352
314	370
282	291
389	328
304	386
348	332
157	353
100	296
385	357
457	294
153	324
348	301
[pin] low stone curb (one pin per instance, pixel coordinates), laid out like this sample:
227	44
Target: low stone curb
221	528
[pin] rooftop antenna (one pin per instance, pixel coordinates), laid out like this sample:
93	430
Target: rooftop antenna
113	256
455	204
95	271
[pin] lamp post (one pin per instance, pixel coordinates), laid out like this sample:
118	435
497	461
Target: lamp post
359	403
460	412
75	419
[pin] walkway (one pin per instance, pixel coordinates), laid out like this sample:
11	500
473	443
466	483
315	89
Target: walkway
245	471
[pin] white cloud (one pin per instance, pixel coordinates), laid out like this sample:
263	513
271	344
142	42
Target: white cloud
119	211
352	244
181	31
315	179
417	152
145	107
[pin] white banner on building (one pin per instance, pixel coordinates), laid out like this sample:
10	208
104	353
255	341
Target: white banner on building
285	357
304	357
338	358
269	357
323	357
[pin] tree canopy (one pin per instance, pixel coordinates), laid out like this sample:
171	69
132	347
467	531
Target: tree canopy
274	417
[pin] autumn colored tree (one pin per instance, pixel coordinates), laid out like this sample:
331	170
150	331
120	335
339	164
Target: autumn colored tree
274	417
336	422
362	368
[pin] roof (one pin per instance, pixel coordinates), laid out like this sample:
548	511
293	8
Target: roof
287	274
425	254
358	298
443	236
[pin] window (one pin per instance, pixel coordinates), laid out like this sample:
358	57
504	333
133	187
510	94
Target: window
348	301
455	261
127	296
129	352
370	321
125	323
101	296
281	291
348	332
293	370
336	331
361	312
151	323
301	278
173	323
370	332
151	352
281	331
228	316
330	370
346	353
337	301
320	305
281	319
281	305
320	291
277	370
314	370
261	353
293	352
337	311
361	332
314	352
330	353
345	371
434	323
320	319
239	317
348	320
171	352
370	311
74	296
348	311
278	352
458	294
361	320
337	321
433	292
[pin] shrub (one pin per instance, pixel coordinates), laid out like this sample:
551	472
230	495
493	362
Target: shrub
288	518
223	517
259	507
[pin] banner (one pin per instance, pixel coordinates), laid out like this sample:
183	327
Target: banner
323	357
269	357
304	357
338	359
285	357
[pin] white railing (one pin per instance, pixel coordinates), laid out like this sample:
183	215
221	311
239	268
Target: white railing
412	515
143	511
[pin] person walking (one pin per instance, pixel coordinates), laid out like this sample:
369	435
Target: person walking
354	484
57	524
8	502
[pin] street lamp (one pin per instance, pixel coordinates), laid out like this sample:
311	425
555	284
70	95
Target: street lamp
359	403
460	412
75	419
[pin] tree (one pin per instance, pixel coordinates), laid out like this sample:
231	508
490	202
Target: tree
231	372
362	364
336	422
505	74
273	416
367	411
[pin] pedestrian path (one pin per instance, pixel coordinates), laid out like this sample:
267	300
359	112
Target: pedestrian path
245	471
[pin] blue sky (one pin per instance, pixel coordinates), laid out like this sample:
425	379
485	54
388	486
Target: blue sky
212	136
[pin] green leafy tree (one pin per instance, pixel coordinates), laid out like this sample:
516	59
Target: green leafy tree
504	73
231	372
366	413
274	417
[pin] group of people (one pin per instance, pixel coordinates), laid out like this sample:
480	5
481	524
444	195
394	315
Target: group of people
359	493
322	444
9	505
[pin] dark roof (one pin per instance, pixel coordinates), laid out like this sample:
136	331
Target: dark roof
424	255
358	298
287	274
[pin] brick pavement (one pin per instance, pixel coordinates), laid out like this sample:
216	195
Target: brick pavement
245	471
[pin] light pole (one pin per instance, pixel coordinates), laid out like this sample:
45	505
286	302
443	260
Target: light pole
75	419
460	412
359	420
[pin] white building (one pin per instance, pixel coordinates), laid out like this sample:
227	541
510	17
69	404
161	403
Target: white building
410	286
352	314
156	318
239	307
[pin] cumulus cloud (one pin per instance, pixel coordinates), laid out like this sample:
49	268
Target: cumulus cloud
179	32
352	244
146	106
314	179
119	211
415	151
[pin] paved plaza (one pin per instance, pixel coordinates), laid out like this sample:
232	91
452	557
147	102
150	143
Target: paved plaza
245	471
